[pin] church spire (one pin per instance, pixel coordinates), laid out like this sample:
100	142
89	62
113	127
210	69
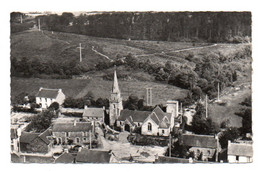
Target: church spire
115	88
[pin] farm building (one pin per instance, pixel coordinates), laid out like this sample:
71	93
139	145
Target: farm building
45	97
240	152
94	114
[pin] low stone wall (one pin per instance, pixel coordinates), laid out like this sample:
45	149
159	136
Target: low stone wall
138	139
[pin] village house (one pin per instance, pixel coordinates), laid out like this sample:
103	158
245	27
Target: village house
95	156
45	97
35	142
77	133
94	114
240	152
206	146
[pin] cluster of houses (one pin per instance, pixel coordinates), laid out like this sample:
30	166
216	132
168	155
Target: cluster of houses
152	123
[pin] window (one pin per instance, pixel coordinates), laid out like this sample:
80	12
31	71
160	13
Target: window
77	140
59	140
84	139
162	131
149	126
237	158
114	106
67	134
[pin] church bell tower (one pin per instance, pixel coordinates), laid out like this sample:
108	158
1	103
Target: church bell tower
115	102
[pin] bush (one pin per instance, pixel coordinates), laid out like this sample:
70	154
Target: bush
138	139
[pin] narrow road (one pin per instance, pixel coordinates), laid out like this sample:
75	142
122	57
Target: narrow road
101	54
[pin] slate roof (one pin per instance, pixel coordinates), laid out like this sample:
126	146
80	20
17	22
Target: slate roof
44	135
164	159
239	149
158	116
94	112
27	137
203	141
48	93
137	116
65	158
69	127
93	156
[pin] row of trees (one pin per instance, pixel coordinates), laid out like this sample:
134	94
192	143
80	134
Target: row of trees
165	26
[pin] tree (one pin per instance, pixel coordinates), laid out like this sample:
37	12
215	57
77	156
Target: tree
54	106
229	134
20	98
41	122
246	113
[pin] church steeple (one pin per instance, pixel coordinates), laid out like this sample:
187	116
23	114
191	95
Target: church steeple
115	88
115	102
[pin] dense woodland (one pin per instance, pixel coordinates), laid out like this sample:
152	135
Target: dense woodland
174	26
164	26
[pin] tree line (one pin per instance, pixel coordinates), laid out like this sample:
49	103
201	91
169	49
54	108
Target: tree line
163	26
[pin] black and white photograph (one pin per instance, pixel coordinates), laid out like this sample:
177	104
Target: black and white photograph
131	87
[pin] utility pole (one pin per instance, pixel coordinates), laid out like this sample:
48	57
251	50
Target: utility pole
39	24
80	54
21	19
218	91
90	143
206	100
170	145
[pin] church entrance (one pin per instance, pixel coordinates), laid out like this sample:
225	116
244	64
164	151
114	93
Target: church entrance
127	127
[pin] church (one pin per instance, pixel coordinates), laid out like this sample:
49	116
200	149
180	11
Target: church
156	122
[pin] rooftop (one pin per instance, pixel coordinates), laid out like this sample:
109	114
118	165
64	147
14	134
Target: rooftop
69	127
65	158
48	93
93	156
94	112
240	149
203	141
27	137
137	116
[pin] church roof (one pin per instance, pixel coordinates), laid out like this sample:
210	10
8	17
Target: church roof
47	93
159	117
94	112
137	116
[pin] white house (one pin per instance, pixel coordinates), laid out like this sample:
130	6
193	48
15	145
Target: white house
45	97
240	152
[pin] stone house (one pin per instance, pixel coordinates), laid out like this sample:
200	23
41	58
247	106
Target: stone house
78	133
206	146
45	97
95	156
94	114
240	152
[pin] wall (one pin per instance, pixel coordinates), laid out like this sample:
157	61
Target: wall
154	130
60	98
166	132
73	136
241	159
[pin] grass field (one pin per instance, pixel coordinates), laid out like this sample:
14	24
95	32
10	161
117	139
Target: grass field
79	87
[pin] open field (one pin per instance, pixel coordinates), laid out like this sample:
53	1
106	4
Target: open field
101	88
233	98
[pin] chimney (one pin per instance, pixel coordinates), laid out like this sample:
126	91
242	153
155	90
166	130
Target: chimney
60	90
40	89
85	107
104	108
66	150
75	122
